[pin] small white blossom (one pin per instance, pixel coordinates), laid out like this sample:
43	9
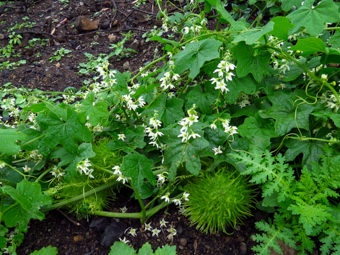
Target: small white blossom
121	137
217	150
166	197
124	240
163	223
155	232
185	196
132	232
123	209
26	169
177	201
147	226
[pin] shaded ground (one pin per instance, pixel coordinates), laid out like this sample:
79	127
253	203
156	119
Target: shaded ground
56	22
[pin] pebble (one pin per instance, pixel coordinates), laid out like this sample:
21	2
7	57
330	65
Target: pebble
83	24
112	38
183	241
2	36
78	238
126	65
243	248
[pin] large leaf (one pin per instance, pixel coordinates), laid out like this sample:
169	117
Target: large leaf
284	112
281	27
311	151
249	60
139	168
310	46
195	55
29	199
134	139
9	138
179	153
61	125
335	39
96	112
173	111
252	35
203	97
238	85
258	132
315	18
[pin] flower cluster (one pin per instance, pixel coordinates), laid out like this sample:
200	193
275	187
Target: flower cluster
223	70
153	133
161	178
84	167
178	201
186	123
168	79
131	103
57	172
121	177
230	130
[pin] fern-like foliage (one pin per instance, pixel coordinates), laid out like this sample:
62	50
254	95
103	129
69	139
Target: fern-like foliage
304	202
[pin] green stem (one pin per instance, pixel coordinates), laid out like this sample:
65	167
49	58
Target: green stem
42	175
116	214
332	28
33	140
146	67
81	196
142	206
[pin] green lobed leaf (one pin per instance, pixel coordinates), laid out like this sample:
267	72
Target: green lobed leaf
335	39
237	85
173	111
286	5
96	111
253	35
145	250
49	250
61	125
258	132
29	199
9	138
121	248
310	46
281	27
166	250
195	55
284	112
250	60
315	18
139	168
203	97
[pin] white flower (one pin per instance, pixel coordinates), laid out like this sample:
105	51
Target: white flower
172	232
98	128
117	170
155	232
213	126
121	137
185	196
194	135
160	179
185	30
133	232
177	201
2	164
217	150
122	178
124	240
147	226
166	197
163	223
123	209
26	169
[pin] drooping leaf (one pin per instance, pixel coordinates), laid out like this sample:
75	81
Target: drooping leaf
335	117
195	55
29	200
9	138
173	111
139	168
253	35
284	112
310	46
250	60
281	27
315	18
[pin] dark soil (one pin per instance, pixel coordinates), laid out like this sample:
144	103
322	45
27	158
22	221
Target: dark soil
55	21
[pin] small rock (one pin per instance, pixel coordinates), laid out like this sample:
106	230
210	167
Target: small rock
126	65
57	65
183	241
243	248
111	233
105	24
99	224
2	36
179	229
78	238
112	38
134	45
180	247
83	24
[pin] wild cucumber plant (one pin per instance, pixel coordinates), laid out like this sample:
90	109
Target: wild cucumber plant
247	85
123	248
218	201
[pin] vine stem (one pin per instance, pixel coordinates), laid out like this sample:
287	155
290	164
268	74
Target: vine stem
81	196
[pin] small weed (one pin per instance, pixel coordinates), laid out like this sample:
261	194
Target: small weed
58	54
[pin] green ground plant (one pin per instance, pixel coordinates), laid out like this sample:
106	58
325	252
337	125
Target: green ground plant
241	94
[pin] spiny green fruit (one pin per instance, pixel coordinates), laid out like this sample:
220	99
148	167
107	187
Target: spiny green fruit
218	200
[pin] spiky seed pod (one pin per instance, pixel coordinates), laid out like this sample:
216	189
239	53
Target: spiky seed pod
219	200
